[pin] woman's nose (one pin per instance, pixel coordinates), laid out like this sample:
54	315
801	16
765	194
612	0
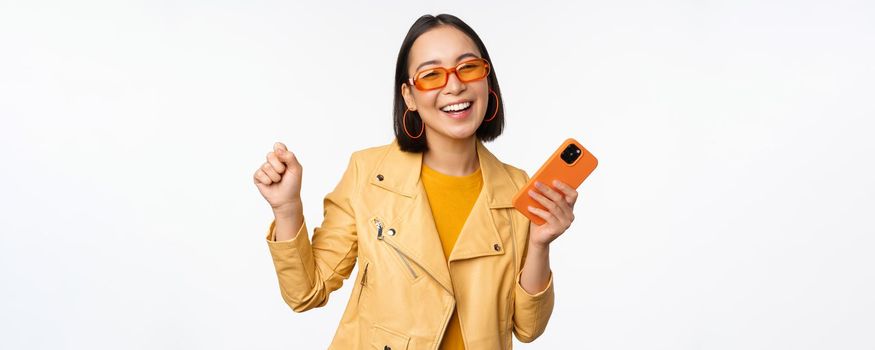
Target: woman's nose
454	85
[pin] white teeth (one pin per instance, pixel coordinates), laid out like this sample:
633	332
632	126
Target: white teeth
456	107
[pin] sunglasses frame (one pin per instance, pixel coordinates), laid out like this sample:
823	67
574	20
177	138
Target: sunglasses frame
451	70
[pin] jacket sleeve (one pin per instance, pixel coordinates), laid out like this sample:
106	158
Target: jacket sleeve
531	311
309	272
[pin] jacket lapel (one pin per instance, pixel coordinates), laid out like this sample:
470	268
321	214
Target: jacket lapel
480	234
416	235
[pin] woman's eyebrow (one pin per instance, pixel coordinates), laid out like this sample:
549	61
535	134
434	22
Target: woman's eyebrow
467	54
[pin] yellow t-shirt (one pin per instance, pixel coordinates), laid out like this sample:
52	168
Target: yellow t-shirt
451	199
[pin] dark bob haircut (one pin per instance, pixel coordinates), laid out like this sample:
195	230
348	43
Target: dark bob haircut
487	131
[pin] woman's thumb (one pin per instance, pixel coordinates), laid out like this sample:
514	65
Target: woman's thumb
277	146
283	153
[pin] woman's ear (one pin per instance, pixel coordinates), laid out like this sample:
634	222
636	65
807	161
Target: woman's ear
408	97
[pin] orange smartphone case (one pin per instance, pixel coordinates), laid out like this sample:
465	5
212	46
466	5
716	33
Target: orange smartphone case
557	167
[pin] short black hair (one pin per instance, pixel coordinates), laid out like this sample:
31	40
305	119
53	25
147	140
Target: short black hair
487	131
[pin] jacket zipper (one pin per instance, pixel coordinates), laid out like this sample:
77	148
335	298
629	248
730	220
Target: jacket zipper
403	258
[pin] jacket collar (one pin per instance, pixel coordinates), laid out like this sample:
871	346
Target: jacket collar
417	237
401	173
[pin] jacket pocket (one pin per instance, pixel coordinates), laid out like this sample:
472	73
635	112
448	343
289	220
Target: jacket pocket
364	280
383	338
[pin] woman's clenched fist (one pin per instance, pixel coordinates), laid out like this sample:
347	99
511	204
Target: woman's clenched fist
279	179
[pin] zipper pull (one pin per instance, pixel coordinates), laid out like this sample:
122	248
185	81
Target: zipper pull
379	225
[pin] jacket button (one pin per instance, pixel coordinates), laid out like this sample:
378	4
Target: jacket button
391	232
380	177
496	247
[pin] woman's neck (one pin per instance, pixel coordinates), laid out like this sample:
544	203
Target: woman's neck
452	156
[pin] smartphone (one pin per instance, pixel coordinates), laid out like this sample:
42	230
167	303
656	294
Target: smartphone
571	163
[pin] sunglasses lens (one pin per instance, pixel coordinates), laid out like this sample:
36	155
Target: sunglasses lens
472	70
431	79
437	77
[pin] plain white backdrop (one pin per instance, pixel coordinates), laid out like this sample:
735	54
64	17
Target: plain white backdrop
732	207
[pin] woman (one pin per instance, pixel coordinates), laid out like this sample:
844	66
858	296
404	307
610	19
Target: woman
445	261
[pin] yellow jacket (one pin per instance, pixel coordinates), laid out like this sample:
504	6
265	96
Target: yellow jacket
405	289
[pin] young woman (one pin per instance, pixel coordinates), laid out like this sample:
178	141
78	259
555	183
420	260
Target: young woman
445	261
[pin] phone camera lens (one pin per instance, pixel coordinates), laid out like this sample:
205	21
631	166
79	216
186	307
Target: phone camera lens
570	154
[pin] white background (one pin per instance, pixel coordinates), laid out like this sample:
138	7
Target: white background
732	207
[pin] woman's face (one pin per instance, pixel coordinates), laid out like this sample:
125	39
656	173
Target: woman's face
445	46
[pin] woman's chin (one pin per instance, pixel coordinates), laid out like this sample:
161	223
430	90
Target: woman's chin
460	132
454	129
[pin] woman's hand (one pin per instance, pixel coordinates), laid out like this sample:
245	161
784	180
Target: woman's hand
279	180
558	215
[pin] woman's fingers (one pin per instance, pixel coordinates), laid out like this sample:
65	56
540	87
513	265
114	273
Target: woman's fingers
543	214
546	202
262	178
275	162
548	192
570	193
268	169
551	206
558	205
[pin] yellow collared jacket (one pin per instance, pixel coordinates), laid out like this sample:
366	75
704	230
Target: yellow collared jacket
405	290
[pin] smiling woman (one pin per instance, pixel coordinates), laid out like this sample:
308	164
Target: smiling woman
445	261
434	49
